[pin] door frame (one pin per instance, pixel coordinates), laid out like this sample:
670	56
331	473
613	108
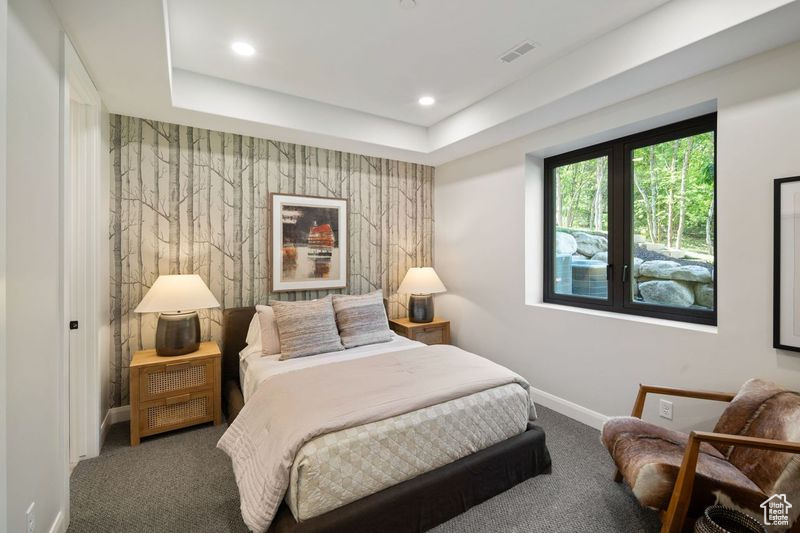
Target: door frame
83	238
3	354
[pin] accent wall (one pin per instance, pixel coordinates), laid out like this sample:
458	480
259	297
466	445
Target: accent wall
186	200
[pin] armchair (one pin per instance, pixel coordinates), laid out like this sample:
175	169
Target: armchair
753	453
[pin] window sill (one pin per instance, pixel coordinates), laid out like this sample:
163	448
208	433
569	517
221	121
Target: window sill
702	328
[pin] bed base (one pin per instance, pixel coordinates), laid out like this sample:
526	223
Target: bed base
430	499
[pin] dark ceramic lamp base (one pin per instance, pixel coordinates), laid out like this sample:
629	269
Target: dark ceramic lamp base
420	308
177	333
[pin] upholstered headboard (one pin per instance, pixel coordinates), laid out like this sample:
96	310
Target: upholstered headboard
235	322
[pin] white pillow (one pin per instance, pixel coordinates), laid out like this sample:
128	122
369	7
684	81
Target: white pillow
253	339
270	338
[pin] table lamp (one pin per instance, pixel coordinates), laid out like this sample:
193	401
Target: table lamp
176	298
420	283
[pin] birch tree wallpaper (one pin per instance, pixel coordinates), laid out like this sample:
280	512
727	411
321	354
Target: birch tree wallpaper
186	200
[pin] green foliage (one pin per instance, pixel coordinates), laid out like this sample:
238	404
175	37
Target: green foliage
670	178
582	194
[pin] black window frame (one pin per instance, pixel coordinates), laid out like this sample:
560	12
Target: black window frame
620	218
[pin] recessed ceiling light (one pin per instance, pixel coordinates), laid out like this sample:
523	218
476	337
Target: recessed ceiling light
243	49
426	100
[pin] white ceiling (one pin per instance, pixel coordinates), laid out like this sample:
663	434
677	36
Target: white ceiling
346	74
376	57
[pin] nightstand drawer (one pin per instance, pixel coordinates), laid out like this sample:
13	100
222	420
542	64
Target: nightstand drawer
176	411
437	331
432	335
166	380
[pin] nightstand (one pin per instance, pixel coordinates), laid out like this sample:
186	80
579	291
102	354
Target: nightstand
168	393
436	332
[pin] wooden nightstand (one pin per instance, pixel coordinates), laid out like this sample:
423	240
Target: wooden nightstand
168	393
436	332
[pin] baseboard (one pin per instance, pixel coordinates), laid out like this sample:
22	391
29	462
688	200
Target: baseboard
113	416
577	412
59	525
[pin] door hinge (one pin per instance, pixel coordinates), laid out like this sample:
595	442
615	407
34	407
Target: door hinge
73	324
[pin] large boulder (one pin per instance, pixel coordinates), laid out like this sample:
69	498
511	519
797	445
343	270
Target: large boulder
676	271
590	245
697	273
658	269
667	292
704	295
565	244
637	266
601	256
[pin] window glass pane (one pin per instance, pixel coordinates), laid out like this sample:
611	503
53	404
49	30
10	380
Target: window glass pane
673	223
581	228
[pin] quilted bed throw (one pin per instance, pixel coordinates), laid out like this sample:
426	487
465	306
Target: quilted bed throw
292	408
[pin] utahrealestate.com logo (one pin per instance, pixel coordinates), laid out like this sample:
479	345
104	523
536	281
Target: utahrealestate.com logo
776	510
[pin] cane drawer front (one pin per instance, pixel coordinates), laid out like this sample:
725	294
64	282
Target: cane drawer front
176	411
430	335
170	379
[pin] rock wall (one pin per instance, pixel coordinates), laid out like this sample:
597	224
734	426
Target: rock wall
659	281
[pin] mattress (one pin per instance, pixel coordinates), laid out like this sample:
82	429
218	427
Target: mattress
338	468
341	467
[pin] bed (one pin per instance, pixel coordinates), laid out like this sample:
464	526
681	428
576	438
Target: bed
373	477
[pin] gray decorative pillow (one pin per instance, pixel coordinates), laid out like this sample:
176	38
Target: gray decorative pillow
306	328
361	319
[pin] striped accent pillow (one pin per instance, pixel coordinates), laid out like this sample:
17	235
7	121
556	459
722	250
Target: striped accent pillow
306	328
361	319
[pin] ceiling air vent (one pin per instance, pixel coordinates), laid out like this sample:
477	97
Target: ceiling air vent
517	52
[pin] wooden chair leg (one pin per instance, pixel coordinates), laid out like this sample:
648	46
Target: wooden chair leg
617	476
682	492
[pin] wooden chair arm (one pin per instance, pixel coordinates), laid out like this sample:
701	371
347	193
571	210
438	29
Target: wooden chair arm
638	405
749	442
684	483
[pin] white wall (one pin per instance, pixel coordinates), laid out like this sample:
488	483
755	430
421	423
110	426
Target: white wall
483	234
36	466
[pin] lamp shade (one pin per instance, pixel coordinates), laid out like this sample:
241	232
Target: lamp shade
421	280
174	293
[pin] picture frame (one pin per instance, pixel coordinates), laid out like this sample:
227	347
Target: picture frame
308	243
786	276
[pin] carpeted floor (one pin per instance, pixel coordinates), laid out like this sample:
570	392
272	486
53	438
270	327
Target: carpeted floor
180	482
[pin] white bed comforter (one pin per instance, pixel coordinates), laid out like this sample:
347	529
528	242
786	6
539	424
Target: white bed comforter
256	368
293	407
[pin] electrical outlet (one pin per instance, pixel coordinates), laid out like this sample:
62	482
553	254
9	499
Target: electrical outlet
30	518
665	409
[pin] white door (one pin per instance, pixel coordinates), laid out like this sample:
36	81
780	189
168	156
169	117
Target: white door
83	243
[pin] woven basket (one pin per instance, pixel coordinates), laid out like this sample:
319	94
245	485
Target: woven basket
719	519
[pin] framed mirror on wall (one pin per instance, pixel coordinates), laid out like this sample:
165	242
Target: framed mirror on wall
786	283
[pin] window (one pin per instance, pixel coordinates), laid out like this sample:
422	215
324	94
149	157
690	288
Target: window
630	225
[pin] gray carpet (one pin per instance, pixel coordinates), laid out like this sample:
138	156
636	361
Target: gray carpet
180	482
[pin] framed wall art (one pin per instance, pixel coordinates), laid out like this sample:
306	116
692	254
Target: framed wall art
308	243
786	283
